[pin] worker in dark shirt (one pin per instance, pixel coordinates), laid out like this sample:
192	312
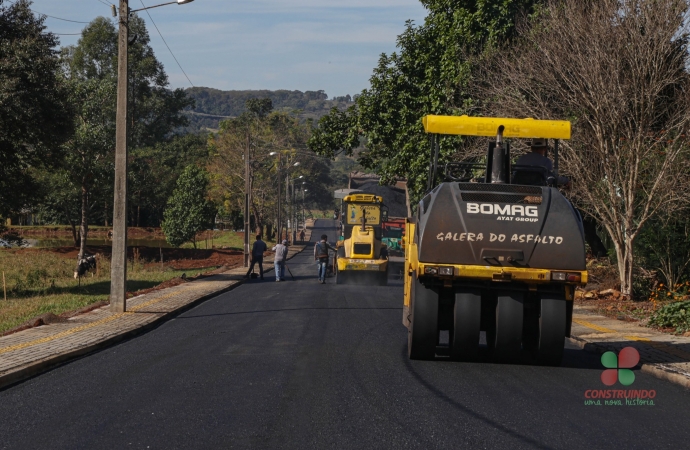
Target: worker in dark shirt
257	256
537	158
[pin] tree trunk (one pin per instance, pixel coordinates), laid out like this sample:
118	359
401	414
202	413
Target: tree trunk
624	255
84	227
75	233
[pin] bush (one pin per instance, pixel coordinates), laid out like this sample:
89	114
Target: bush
675	315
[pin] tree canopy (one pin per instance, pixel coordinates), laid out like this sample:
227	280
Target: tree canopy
428	75
34	115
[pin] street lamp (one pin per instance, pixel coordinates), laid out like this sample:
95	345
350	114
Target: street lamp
278	223
118	272
304	219
287	191
292	207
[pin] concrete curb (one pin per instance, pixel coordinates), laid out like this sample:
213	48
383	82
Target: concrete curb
656	370
33	369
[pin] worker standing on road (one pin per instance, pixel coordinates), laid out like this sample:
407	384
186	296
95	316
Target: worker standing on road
321	255
279	260
301	235
258	256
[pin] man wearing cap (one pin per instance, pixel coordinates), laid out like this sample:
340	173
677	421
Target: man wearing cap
279	261
537	157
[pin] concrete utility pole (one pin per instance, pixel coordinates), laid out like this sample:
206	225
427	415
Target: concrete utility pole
287	202
247	194
118	271
118	264
280	228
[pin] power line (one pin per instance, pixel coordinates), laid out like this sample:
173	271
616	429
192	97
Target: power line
52	17
106	3
166	44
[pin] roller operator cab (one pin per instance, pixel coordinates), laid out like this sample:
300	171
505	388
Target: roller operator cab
494	248
359	258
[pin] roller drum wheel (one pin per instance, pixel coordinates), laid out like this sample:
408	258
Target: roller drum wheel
464	342
507	336
552	330
422	335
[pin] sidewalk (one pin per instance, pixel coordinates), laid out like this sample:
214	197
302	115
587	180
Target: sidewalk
30	352
661	354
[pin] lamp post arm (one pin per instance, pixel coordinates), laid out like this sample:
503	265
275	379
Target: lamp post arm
151	7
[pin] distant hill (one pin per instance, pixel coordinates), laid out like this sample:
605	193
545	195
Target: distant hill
213	105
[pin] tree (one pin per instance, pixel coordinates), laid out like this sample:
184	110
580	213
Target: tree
617	70
155	111
90	72
429	75
265	133
188	210
89	149
153	172
34	116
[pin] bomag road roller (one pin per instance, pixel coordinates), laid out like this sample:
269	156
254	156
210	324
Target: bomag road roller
495	247
358	258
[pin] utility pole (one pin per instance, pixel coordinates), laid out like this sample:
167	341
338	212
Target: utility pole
293	213
287	201
279	225
118	272
247	194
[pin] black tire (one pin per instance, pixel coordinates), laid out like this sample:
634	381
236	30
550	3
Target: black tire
507	335
464	342
422	335
552	330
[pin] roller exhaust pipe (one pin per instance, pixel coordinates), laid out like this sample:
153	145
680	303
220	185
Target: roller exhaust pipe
499	173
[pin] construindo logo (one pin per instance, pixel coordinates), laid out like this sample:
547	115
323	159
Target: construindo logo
618	366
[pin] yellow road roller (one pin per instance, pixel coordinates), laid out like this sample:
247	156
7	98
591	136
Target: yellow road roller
495	248
358	259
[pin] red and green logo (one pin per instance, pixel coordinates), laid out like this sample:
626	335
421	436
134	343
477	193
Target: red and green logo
618	366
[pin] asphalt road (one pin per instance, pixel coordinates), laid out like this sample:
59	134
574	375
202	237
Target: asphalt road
304	365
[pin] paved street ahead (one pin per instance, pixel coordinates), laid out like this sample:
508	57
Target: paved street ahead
303	365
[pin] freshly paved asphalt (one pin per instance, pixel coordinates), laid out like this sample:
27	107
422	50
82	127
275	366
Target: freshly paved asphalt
303	365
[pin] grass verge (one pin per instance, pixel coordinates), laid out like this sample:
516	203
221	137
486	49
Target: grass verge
39	281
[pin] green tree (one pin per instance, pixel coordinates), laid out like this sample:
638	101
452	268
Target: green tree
90	71
188	210
153	171
89	149
265	133
155	111
429	75
34	117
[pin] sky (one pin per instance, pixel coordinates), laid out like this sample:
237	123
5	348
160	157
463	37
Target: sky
303	45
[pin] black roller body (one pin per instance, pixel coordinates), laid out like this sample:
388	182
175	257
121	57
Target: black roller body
500	225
